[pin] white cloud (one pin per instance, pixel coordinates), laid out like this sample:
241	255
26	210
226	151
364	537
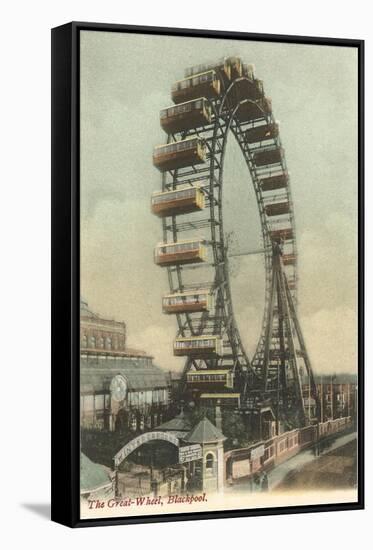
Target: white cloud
158	342
121	99
331	340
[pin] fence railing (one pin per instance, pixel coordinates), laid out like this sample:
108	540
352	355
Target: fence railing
244	462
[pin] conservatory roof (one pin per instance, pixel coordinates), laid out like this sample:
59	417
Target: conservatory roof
97	372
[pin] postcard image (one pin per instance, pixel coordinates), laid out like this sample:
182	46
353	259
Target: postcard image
218	274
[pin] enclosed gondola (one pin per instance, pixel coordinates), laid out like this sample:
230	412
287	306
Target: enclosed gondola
248	70
208	378
187	302
270	155
277	208
207	335
225	399
223	66
187	152
198	346
236	66
289	259
177	201
205	84
248	89
261	133
278	354
185	116
253	110
181	252
292	284
283	234
274	182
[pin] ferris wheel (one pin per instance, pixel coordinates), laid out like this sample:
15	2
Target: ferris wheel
211	103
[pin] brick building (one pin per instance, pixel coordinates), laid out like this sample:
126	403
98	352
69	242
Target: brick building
97	333
121	389
337	394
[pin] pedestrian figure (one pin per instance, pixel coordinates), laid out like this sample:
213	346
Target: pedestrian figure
256	482
265	482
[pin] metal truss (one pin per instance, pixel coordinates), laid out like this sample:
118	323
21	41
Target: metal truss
256	375
284	355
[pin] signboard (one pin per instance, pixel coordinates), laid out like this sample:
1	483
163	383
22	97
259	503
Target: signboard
189	453
140	440
257	452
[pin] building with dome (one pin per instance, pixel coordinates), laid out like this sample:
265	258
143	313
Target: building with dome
121	389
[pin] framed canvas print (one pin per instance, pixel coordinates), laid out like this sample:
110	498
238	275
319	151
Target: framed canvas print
207	279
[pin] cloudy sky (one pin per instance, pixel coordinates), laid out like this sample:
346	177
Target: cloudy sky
125	81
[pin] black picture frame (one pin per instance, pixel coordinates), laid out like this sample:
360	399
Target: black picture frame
66	272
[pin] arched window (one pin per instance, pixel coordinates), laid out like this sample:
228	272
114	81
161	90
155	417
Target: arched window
84	342
92	342
209	461
108	343
101	343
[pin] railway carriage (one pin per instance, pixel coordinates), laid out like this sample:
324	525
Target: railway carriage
272	183
225	399
252	110
277	208
185	116
181	252
210	379
248	70
292	284
249	89
177	201
261	133
270	155
283	234
206	84
199	346
228	67
179	154
224	67
188	302
236	66
289	259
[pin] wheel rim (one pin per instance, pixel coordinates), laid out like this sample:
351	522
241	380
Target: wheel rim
221	321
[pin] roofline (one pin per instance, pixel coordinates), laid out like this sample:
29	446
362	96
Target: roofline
184	102
220	62
207	337
201	240
208	371
219	395
157	193
189	293
194	75
179	141
113	353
